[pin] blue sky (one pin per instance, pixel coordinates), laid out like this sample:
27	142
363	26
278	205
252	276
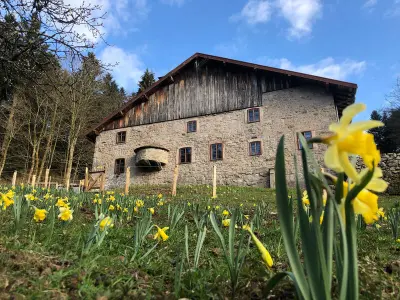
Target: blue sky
356	41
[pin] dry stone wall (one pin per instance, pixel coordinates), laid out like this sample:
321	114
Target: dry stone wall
284	112
390	165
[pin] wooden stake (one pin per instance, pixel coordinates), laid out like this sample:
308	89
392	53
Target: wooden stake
127	180
86	184
56	185
102	181
67	185
33	181
49	185
14	179
176	173
46	178
272	178
214	195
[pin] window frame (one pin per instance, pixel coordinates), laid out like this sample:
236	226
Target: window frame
186	155
222	152
191	122
118	172
118	141
250	150
252	110
299	146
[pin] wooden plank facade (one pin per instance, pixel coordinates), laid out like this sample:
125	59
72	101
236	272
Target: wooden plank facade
206	85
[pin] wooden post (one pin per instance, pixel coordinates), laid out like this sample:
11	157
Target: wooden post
33	181
272	178
67	185
46	178
214	195
14	179
127	180
49	184
102	181
86	184
56	185
176	173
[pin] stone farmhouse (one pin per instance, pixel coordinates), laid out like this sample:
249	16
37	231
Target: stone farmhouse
211	111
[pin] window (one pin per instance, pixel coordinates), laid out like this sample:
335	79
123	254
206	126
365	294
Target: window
255	148
307	135
253	115
185	155
121	137
216	151
119	166
192	126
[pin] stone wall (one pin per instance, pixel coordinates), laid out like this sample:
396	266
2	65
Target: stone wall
390	165
284	112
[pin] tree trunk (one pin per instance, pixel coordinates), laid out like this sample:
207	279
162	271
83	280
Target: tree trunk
8	136
70	159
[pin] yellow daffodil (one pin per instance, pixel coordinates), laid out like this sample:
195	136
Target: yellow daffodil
305	199
266	257
61	203
208	207
160	203
188	204
381	213
151	209
111	198
106	222
119	207
139	203
161	235
47	196
136	209
226	222
65	214
111	207
29	197
225	213
6	199
378	226
350	139
217	207
246	217
40	214
125	210
241	205
398	240
246	227
159	196
324	197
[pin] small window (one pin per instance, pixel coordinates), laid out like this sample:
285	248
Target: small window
253	115
121	137
255	148
216	151
192	126
185	155
119	166
307	135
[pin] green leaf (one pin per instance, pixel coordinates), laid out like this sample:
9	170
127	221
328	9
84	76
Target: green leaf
200	241
274	281
187	243
285	215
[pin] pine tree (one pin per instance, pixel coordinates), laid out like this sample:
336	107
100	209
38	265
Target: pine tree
146	81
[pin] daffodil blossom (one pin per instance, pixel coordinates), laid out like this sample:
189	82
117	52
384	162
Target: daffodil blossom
266	257
348	139
161	233
65	214
40	214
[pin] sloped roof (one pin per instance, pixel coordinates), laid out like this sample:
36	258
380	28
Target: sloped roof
344	92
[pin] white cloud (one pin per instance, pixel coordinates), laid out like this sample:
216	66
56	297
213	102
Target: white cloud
327	67
394	11
173	2
120	16
301	14
128	68
370	3
254	12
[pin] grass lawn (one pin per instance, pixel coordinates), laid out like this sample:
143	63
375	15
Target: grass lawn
46	260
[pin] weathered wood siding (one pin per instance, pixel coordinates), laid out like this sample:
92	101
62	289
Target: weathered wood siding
205	90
